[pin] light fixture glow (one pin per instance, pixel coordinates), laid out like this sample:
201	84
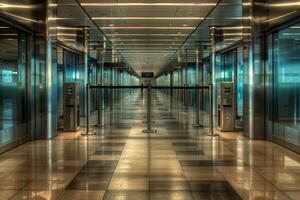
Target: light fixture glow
146	27
147	18
103	4
65	28
291	4
23	18
4	5
138	34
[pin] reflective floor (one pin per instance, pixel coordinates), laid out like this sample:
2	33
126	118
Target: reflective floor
121	162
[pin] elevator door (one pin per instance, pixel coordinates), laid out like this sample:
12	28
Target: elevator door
13	63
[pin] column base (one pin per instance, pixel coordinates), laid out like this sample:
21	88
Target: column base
87	133
197	125
149	131
213	134
99	125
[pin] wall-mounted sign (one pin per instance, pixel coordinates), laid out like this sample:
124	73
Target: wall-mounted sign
147	75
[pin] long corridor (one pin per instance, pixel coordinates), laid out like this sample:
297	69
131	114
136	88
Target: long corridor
121	162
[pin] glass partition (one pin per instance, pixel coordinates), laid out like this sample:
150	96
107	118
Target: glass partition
239	88
13	62
286	79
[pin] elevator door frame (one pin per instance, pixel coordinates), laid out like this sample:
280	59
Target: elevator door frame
78	54
233	49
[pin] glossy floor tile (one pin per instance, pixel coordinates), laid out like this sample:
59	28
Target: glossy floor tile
178	162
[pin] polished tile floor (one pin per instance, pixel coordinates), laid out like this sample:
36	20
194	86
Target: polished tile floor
121	162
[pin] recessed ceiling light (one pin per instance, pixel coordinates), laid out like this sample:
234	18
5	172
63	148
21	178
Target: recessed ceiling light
111	25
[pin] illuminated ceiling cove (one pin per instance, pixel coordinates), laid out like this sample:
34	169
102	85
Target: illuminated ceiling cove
149	33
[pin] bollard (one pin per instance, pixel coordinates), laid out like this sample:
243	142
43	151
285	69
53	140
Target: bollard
100	102
211	111
197	123
87	132
149	116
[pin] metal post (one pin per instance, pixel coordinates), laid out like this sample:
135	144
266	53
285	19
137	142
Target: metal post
211	111
87	132
100	102
149	114
197	123
149	108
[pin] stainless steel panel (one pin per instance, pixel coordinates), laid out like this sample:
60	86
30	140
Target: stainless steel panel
71	106
254	79
226	107
51	72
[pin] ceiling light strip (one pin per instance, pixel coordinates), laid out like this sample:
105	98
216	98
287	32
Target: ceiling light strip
147	18
142	34
146	27
104	4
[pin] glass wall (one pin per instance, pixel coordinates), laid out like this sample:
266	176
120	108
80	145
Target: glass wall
13	63
239	83
191	81
285	63
206	80
92	75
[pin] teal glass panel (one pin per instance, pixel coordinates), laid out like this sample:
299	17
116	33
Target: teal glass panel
286	62
69	66
239	88
228	69
13	63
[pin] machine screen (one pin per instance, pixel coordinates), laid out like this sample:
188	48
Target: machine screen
69	91
227	90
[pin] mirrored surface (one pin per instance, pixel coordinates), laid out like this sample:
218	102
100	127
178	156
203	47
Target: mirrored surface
13	59
286	46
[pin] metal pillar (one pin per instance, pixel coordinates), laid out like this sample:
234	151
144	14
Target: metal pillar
51	74
149	111
100	106
87	130
211	112
197	113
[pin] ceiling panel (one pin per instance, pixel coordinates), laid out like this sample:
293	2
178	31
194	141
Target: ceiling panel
148	33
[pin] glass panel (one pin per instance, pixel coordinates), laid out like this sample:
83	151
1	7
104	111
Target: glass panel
13	59
93	81
191	81
239	88
286	85
69	66
60	88
206	78
229	66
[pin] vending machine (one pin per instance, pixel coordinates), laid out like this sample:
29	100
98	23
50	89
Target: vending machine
71	106
226	107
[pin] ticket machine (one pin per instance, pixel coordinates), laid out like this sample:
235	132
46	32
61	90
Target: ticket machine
71	106
226	107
